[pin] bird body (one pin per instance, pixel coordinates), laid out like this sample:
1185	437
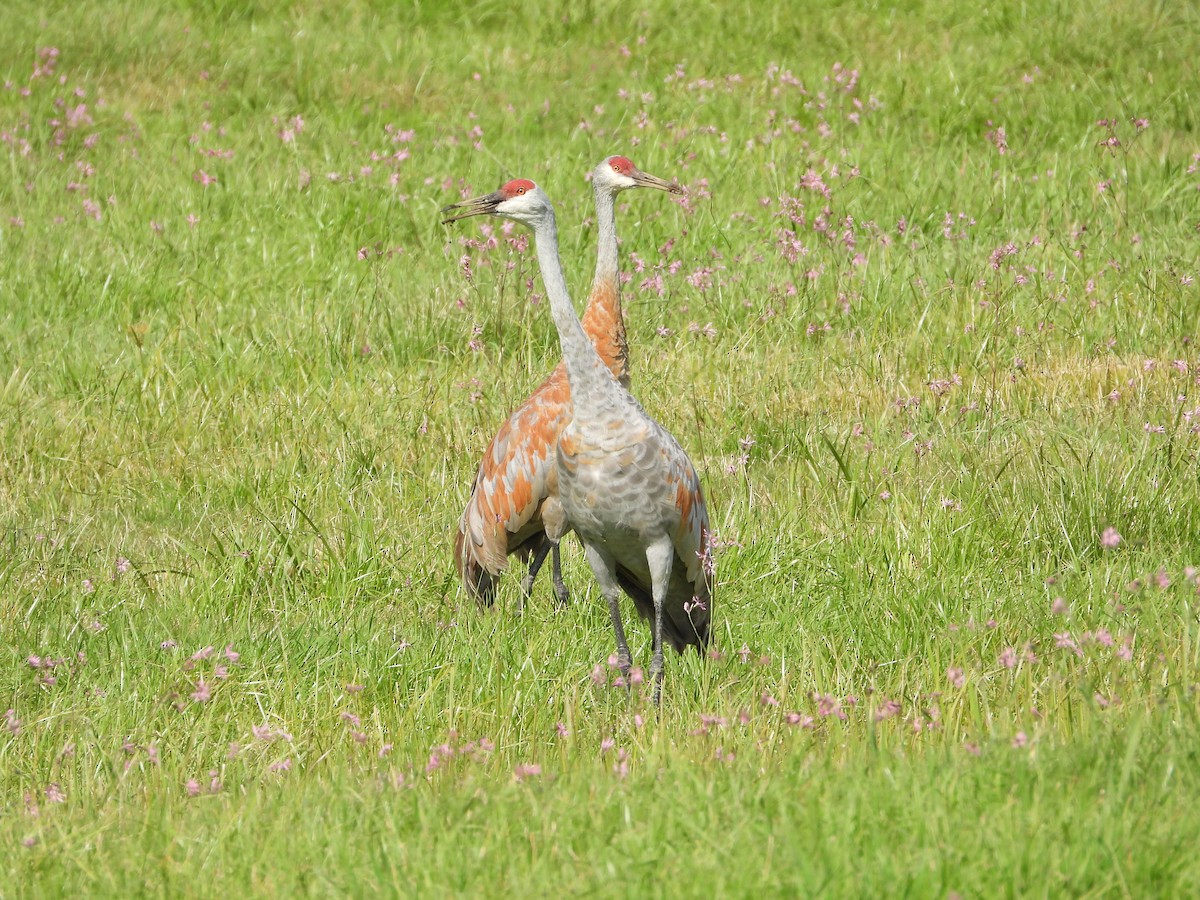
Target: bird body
624	483
514	507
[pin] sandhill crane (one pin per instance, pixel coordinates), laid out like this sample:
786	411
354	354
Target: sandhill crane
514	507
625	485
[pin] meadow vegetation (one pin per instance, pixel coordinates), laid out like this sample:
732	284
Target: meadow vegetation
926	320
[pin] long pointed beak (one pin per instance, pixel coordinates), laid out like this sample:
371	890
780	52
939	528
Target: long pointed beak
480	206
645	179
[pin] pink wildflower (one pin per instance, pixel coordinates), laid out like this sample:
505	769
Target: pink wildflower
827	705
1064	641
886	710
526	770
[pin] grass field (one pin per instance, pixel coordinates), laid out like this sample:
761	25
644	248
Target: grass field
925	320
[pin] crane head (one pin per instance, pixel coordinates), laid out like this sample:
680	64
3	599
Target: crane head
520	200
618	173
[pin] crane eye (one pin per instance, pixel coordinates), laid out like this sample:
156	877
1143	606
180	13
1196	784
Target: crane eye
520	190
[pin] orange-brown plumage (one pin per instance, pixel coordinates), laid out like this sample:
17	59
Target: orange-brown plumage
502	520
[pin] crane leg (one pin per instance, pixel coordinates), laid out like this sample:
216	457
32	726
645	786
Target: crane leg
560	586
605	570
535	566
548	547
660	555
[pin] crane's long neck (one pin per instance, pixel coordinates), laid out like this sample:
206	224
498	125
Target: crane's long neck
606	224
589	377
603	320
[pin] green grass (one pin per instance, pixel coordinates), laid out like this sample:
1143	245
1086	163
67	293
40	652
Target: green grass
257	431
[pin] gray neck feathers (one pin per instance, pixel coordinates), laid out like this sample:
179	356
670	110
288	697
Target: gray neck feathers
585	370
606	223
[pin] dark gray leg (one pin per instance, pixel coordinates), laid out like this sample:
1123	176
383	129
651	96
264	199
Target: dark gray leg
660	556
605	570
560	587
535	566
